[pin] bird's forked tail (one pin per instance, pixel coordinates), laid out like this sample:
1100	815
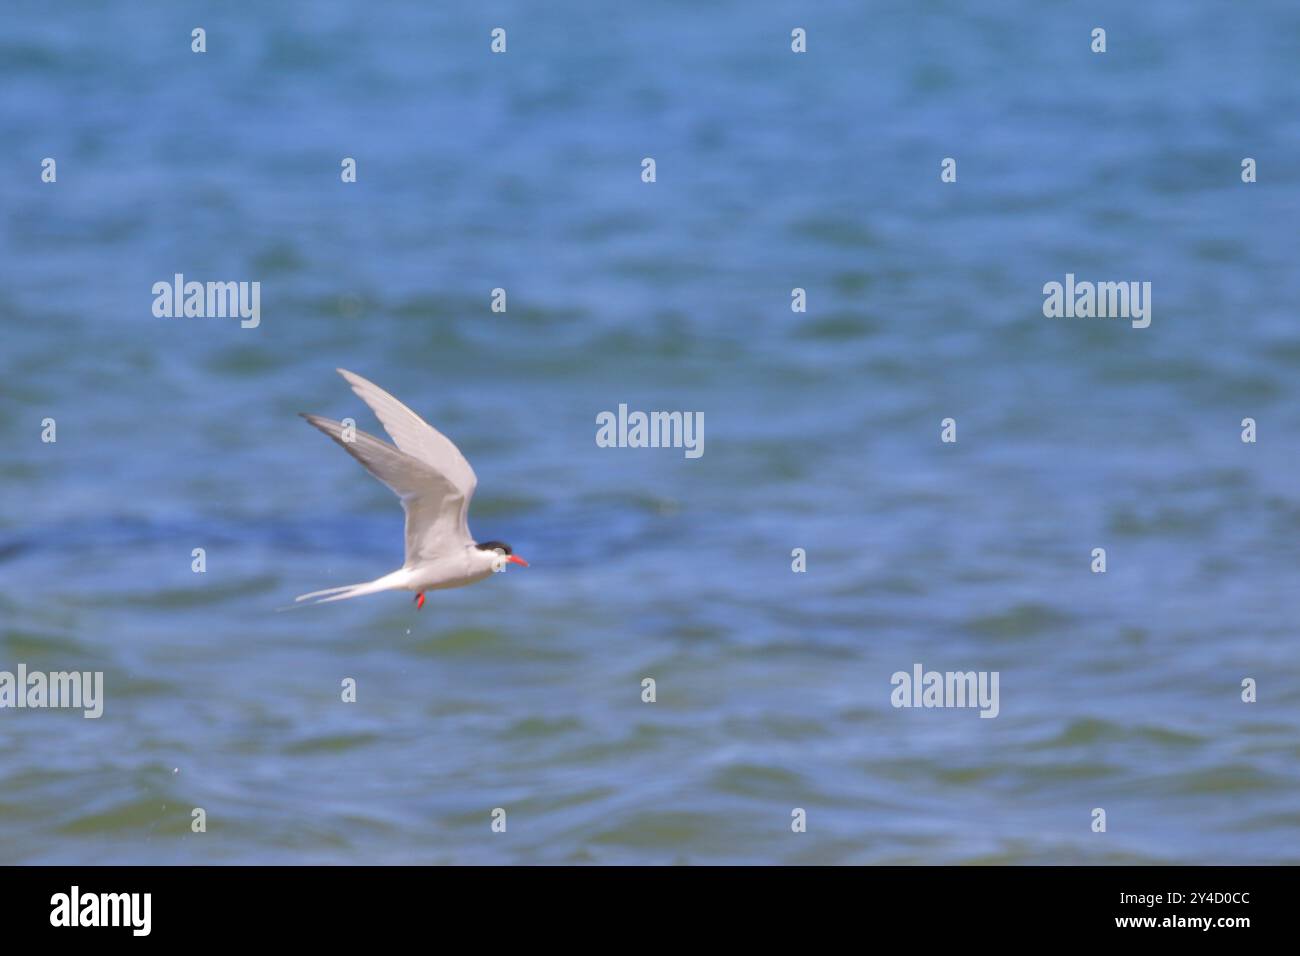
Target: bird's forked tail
389	582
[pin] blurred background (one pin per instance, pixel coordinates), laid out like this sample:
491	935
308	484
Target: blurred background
775	171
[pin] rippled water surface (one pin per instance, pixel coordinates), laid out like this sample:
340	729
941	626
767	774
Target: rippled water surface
775	171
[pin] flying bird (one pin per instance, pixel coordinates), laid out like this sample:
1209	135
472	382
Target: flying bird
435	484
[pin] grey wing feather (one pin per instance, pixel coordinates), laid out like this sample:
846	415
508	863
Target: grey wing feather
435	507
413	435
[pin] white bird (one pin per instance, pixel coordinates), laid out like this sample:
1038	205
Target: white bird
435	484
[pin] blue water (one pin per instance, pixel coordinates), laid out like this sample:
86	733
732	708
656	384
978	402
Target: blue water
522	171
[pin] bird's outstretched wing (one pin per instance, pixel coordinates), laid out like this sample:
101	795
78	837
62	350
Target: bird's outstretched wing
413	435
434	505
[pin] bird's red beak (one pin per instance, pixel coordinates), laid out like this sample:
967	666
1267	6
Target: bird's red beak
515	559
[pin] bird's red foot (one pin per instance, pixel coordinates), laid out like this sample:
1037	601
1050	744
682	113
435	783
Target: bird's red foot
419	600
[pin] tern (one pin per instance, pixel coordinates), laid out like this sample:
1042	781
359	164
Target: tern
435	484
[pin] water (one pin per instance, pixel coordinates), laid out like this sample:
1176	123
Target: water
522	171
